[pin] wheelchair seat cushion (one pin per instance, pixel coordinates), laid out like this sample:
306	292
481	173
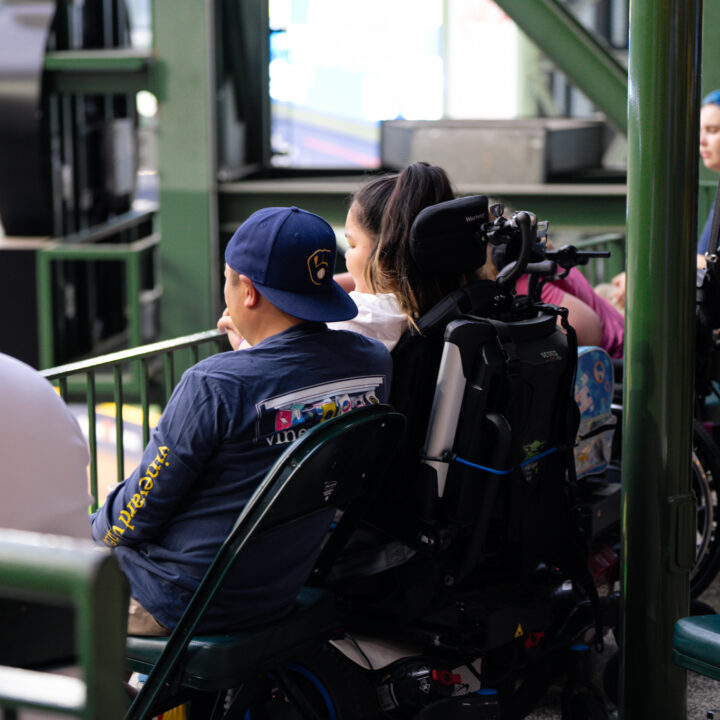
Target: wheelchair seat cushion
214	662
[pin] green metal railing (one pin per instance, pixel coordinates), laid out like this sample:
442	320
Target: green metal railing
44	567
152	369
122	239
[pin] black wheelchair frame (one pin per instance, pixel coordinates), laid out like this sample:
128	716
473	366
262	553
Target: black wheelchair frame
483	497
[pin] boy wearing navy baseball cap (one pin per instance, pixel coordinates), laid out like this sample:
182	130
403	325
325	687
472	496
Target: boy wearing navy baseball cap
284	257
230	418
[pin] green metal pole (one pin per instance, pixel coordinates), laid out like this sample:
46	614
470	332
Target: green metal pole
576	52
658	506
183	80
43	264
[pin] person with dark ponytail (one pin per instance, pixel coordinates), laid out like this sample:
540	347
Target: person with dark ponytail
383	279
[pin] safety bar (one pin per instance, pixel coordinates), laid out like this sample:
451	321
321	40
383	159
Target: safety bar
150	361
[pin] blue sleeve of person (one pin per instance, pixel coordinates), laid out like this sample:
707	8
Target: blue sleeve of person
188	433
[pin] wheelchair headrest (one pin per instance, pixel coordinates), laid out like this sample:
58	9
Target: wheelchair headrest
448	238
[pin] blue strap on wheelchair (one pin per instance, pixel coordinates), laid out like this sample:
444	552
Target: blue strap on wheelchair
454	458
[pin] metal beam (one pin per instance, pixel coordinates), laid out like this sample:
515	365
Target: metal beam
98	71
658	506
576	52
587	208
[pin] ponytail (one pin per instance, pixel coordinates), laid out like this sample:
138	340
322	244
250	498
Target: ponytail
386	208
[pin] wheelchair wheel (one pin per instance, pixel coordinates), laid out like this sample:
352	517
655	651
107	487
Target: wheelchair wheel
322	684
706	486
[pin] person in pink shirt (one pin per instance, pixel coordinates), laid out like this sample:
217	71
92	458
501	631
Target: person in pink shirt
595	320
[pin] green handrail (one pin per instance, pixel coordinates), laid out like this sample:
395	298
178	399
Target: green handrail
55	569
162	354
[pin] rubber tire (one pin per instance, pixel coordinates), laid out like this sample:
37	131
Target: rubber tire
583	703
706	486
335	687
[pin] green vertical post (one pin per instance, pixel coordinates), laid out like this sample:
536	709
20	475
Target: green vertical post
43	265
658	507
184	83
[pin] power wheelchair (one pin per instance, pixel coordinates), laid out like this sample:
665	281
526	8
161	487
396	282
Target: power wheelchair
472	568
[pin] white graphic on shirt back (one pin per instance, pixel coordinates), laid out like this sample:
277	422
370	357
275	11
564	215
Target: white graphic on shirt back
284	418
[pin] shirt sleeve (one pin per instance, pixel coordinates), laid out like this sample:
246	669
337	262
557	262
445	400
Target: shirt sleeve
189	432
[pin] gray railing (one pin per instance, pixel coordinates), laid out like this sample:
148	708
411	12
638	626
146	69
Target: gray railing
144	376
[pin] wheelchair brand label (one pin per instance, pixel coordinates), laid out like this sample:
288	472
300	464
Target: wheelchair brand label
550	355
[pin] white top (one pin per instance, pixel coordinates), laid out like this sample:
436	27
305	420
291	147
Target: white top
43	456
379	316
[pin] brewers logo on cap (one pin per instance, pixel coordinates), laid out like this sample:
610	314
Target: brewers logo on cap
272	246
319	266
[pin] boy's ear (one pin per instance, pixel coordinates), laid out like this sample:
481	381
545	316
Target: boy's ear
250	295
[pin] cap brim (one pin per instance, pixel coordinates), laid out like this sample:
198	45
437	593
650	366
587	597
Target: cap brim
323	307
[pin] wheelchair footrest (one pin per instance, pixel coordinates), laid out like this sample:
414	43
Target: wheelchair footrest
696	644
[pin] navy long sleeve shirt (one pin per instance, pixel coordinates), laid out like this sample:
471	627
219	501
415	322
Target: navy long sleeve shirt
227	421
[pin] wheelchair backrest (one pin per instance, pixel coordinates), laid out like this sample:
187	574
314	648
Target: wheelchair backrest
489	384
493	468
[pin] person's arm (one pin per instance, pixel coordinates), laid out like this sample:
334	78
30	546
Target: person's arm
188	433
580	315
584	319
345	281
619	284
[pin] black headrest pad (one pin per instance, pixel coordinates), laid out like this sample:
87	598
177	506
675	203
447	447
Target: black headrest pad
446	238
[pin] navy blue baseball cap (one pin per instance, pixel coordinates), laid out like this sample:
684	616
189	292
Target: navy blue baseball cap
289	254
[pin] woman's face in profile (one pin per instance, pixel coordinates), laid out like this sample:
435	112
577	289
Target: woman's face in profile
360	245
710	136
